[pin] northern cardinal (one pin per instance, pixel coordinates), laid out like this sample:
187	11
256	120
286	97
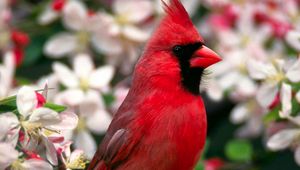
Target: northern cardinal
161	125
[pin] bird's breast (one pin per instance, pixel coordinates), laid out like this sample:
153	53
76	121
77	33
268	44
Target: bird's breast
174	131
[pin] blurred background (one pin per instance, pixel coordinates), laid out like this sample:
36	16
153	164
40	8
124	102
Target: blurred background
86	50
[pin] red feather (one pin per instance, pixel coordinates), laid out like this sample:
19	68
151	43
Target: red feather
160	125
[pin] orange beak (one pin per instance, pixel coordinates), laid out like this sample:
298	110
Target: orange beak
204	57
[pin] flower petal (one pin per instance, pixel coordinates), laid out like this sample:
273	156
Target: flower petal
214	91
26	100
47	16
29	143
60	45
107	44
13	136
91	103
252	128
244	89
56	138
65	75
282	139
294	72
134	11
50	151
9	62
266	94
44	116
101	77
135	34
228	80
68	121
74	15
64	150
36	164
286	100
8	155
259	70
239	114
8	121
293	39
83	66
99	122
71	97
85	141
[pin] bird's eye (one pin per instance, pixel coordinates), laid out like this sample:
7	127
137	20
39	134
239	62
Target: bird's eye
177	49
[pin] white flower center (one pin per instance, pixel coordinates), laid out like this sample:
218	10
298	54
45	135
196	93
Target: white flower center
121	19
83	38
17	165
81	124
31	128
84	84
78	163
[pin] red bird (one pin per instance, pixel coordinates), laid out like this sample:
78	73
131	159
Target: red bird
161	125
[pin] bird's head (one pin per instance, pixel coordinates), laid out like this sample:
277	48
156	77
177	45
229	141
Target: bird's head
176	49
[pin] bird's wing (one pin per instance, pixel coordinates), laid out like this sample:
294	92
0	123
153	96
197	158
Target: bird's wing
116	146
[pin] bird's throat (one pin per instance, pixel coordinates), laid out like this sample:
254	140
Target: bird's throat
191	78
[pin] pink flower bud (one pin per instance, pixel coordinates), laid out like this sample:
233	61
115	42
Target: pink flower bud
19	55
20	39
58	5
275	102
41	100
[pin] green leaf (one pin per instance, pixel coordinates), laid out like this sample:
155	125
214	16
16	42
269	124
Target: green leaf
295	107
8	104
200	166
21	81
239	150
108	99
55	107
273	115
296	86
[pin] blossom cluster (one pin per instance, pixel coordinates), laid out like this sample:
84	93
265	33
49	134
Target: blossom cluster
31	135
90	49
259	42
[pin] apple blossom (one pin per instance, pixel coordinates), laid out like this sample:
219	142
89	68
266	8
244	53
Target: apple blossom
83	96
71	160
272	74
284	139
84	78
76	18
9	156
122	32
34	121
